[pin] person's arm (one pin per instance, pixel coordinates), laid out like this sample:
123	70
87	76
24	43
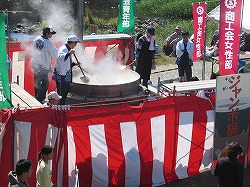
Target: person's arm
168	40
138	49
171	38
53	50
63	55
47	178
154	53
190	50
177	39
179	52
39	177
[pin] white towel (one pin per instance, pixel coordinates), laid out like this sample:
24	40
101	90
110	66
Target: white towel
152	43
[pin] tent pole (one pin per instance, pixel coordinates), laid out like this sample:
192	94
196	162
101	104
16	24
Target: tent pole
11	114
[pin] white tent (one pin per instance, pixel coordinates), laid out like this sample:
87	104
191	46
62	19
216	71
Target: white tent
214	15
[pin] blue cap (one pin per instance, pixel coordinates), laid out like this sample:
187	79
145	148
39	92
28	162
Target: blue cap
151	31
242	66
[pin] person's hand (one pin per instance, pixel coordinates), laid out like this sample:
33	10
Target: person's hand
78	64
72	51
153	62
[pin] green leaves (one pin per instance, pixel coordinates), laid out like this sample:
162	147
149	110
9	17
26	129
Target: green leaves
170	9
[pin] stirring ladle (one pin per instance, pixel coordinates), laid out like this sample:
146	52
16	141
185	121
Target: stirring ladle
84	78
124	67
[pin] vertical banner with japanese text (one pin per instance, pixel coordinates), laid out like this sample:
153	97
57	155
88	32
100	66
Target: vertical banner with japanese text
126	18
199	22
4	76
229	35
232	112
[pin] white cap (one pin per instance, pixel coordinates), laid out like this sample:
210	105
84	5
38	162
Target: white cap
52	30
177	28
49	29
73	38
54	95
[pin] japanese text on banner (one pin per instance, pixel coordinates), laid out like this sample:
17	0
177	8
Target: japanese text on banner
199	21
229	37
126	19
4	76
232	127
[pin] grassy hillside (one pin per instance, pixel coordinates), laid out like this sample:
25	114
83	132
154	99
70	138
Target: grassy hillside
170	9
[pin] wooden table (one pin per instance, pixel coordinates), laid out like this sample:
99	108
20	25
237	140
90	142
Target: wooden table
21	98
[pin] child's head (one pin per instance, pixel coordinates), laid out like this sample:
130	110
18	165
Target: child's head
46	153
23	167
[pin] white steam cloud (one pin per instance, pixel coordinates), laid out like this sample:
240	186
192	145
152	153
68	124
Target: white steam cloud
106	72
58	14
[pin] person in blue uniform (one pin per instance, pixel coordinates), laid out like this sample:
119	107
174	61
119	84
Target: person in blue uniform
145	55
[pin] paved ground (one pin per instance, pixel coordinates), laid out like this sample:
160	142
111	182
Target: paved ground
165	75
205	180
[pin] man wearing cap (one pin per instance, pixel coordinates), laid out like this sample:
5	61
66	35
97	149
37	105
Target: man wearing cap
173	39
63	68
43	51
184	51
53	99
145	55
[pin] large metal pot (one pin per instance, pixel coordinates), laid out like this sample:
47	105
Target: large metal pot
98	89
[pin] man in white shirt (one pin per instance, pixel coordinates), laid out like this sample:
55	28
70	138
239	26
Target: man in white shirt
184	51
43	51
63	68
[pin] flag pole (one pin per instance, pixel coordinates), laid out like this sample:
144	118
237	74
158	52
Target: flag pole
134	31
10	101
204	49
242	10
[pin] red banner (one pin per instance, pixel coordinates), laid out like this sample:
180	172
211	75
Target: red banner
229	35
199	21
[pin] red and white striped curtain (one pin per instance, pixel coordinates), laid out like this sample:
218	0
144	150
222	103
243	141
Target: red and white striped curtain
149	145
32	130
